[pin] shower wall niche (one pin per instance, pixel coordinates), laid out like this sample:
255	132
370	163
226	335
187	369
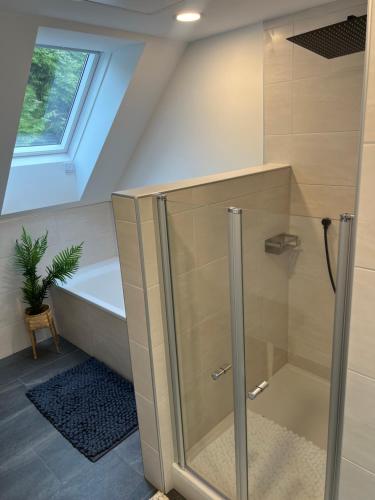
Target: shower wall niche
312	121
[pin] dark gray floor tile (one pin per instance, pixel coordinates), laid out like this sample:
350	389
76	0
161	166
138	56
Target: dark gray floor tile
21	364
109	478
130	451
175	495
12	400
37	462
23	431
66	346
62	458
27	478
144	491
48	371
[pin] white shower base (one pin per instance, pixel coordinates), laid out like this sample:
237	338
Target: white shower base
287	428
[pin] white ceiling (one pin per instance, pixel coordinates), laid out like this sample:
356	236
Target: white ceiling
156	17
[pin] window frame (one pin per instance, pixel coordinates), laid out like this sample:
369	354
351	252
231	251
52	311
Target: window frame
80	98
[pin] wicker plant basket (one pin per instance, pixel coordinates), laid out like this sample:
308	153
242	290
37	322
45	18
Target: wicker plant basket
35	322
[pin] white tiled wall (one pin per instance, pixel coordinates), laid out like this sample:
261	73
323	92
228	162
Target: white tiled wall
91	224
358	464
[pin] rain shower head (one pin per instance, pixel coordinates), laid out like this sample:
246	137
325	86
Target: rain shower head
335	40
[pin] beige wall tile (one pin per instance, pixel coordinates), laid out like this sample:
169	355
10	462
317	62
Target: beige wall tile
309	258
146	211
225	190
328	104
330	159
307	64
277	178
201	293
278	55
155	315
147	421
123	208
362	339
141	370
164	411
205	348
365	244
152	465
256	362
278	108
127	238
161	373
210	234
369	130
278	148
355	482
359	423
276	200
205	404
182	242
149	253
136	314
321	201
311	312
309	366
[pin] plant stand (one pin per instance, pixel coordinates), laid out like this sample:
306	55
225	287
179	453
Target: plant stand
35	322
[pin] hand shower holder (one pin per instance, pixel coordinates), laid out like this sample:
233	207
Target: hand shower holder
281	243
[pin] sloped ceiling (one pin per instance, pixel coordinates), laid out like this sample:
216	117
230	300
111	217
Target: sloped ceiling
139	6
157	17
151	74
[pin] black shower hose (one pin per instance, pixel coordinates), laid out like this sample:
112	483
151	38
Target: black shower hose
326	222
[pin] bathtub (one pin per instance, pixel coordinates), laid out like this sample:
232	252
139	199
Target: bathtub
90	312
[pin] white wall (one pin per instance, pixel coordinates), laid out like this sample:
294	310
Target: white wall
210	118
92	224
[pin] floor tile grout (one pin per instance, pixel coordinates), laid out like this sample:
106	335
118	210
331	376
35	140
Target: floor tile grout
47	455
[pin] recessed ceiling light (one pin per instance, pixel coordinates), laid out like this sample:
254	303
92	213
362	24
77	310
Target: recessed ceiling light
188	17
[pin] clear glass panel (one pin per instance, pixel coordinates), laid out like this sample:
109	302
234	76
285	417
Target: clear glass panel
288	421
198	237
54	80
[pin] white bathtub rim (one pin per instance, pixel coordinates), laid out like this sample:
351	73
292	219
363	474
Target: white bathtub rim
92	271
100	304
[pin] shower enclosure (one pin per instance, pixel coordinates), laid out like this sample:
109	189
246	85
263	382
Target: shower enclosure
248	422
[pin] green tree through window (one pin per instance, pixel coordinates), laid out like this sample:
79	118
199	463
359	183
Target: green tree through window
54	80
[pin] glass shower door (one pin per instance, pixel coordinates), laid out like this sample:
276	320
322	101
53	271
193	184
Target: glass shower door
249	421
199	272
287	406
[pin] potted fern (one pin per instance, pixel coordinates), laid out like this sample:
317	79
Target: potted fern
28	254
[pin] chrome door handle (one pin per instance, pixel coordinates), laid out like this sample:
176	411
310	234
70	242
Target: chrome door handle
220	371
258	389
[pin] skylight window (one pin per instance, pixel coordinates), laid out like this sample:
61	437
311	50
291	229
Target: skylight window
58	83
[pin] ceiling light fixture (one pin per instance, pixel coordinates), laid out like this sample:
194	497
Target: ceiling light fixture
188	17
